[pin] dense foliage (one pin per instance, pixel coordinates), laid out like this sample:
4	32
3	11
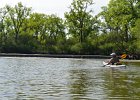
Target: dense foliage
115	29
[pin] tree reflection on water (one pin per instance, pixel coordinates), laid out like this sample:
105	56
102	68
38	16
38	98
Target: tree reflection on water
122	84
80	84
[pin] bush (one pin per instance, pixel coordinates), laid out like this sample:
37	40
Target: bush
77	48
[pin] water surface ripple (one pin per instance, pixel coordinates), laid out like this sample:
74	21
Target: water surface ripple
34	78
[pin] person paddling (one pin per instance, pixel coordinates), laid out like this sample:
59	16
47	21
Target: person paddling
114	59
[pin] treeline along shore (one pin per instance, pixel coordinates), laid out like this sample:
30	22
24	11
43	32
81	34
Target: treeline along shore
80	33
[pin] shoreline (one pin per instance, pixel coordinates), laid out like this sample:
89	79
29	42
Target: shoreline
130	61
64	56
54	55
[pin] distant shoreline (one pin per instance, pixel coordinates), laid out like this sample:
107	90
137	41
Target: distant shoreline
64	56
130	61
53	55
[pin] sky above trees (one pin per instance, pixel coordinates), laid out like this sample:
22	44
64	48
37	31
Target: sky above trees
57	7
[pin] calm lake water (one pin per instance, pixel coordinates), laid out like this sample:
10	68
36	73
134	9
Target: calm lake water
66	79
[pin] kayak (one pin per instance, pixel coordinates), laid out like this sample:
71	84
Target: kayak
113	66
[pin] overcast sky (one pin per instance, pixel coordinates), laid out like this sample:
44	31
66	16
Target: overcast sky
57	7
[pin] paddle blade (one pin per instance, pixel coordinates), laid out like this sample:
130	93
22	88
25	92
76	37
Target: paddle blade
123	56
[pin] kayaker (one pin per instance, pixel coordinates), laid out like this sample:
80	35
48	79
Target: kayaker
114	59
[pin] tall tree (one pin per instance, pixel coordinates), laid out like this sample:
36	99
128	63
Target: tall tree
79	18
18	14
55	27
48	29
55	32
120	17
3	33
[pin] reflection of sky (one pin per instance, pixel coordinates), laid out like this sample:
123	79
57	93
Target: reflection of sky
57	7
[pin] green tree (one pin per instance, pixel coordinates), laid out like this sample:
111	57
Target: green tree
37	27
82	26
78	20
5	30
136	35
17	15
119	17
3	34
56	33
49	30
